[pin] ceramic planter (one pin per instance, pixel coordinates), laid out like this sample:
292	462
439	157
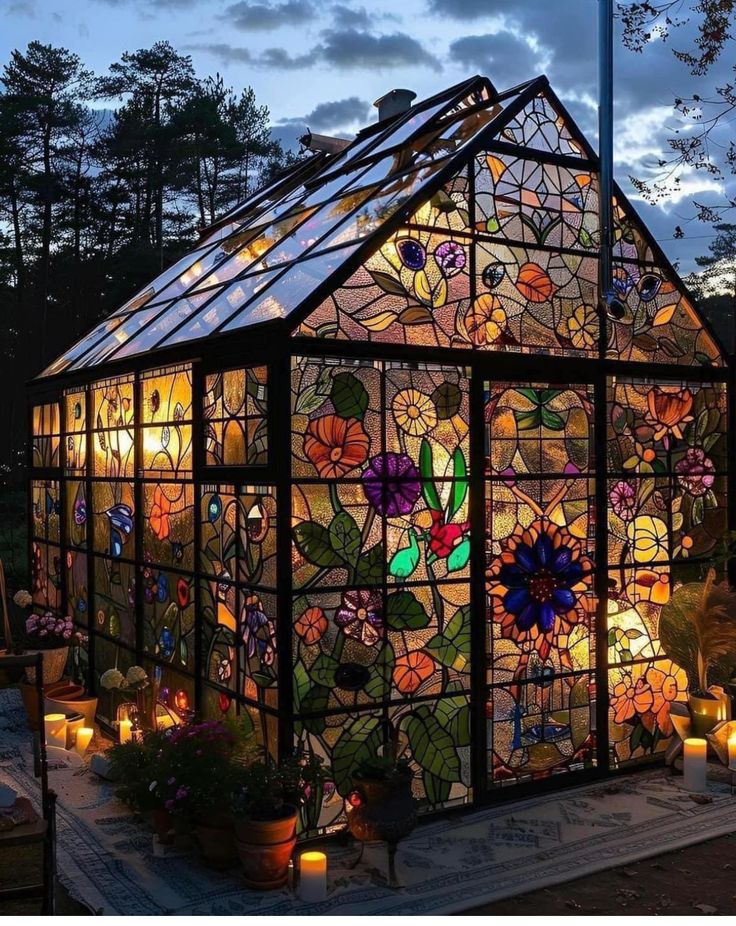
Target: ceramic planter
705	713
84	705
265	849
216	842
54	663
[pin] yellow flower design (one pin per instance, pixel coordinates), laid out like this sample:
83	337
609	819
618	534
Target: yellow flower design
583	328
414	412
648	539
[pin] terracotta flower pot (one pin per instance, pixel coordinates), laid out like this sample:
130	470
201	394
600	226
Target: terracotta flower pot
705	713
30	701
84	705
54	663
216	842
265	848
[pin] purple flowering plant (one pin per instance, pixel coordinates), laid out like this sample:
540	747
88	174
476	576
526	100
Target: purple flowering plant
49	631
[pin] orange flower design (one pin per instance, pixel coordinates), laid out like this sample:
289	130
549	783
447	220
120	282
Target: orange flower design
159	517
668	683
631	697
411	670
335	446
485	320
669	408
311	625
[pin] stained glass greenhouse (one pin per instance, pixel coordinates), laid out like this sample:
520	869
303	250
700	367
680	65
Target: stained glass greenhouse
370	464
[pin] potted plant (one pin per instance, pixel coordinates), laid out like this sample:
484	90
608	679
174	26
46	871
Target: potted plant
381	805
195	783
51	636
136	766
697	629
265	821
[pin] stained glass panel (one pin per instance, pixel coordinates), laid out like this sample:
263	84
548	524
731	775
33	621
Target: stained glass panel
168	617
235	413
380	560
46	430
166	416
540	566
46	506
113	519
114	600
45	576
113	417
75	431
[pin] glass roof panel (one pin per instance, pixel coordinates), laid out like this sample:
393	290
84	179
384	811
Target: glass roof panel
131	326
162	326
83	345
291	288
212	315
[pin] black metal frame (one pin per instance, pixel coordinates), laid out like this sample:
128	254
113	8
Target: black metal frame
274	344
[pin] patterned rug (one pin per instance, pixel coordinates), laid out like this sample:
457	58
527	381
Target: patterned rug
452	864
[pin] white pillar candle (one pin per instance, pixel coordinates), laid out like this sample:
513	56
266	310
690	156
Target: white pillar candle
126	731
732	751
694	764
55	728
84	735
312	876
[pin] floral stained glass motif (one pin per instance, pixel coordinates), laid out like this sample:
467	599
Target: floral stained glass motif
75	431
235	413
77	593
380	563
46	578
46	437
238	545
166	411
113	416
46	506
113	519
168	616
541	127
114	600
539	579
666	510
168	524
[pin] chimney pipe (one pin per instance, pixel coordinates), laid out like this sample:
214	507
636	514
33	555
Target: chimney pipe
324	143
393	103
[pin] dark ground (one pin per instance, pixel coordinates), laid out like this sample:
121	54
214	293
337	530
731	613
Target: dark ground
694	881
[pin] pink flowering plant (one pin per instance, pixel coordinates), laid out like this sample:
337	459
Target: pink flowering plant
49	631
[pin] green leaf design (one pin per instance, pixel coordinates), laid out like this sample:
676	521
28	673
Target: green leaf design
323	670
301	683
437	791
314	543
698	512
349	396
404	612
405	561
528	421
454	715
379	683
431	745
452	648
552	420
369	567
426	470
459	557
357	742
264	679
345	537
309	400
460	486
388	283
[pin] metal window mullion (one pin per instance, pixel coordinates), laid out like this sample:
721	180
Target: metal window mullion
138	503
600	424
198	478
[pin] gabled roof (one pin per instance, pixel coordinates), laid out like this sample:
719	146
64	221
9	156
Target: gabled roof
297	237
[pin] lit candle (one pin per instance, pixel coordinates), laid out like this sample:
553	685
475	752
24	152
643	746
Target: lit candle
55	729
694	764
312	876
732	751
126	731
84	735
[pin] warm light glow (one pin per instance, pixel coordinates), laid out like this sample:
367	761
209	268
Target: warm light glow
732	751
312	876
55	729
126	731
694	764
84	737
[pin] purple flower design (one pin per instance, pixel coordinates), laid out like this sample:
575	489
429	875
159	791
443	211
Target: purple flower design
258	631
360	615
391	484
695	472
623	500
80	511
450	257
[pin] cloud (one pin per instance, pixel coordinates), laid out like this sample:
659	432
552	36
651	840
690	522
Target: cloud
265	17
354	48
332	115
22	8
347	49
345	17
503	56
